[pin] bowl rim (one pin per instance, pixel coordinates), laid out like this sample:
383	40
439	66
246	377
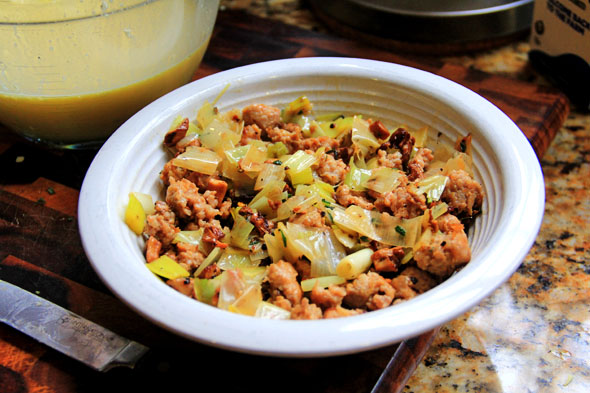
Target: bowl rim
522	212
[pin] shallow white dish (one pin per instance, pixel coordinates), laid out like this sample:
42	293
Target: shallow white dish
500	238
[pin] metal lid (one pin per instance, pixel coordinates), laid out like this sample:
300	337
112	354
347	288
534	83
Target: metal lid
429	21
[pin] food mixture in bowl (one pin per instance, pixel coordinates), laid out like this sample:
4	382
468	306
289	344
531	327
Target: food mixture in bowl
279	213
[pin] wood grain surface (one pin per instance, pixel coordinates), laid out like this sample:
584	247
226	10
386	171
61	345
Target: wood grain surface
40	249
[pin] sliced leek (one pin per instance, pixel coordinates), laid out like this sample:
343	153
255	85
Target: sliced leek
322	282
168	268
355	264
198	159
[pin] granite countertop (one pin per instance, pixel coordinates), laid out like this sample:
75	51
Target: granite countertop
533	333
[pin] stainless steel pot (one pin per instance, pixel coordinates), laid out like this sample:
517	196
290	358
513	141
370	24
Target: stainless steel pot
430	21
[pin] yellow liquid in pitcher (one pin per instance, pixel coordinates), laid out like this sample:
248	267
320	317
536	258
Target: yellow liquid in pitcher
77	81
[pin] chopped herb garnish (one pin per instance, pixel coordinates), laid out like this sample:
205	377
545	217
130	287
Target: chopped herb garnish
278	162
40	201
400	230
284	238
364	239
328	204
331	218
50	191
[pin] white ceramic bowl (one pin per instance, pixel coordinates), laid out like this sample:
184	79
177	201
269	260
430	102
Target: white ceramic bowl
500	238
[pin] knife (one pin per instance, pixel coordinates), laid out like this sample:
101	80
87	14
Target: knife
65	331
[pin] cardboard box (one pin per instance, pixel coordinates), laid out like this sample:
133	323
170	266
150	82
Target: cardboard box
560	46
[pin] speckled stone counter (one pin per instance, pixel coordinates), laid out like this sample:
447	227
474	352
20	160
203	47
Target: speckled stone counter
533	333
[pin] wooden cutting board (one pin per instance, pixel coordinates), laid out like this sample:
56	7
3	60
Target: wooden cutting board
241	39
40	248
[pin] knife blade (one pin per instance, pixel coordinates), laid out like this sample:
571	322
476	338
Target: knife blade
66	331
